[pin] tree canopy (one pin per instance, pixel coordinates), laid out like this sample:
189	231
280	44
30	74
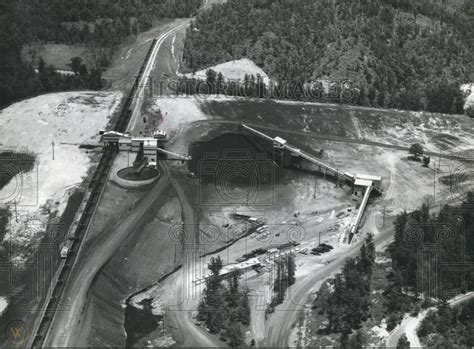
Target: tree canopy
395	54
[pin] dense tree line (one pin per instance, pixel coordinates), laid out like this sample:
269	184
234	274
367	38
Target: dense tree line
224	307
347	306
449	234
253	86
100	25
449	327
393	53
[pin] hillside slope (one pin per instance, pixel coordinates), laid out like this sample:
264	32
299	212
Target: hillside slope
398	54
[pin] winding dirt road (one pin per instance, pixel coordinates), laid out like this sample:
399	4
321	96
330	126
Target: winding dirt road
410	325
279	326
65	328
186	294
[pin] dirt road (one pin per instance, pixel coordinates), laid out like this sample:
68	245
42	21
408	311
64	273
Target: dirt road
279	326
410	325
66	326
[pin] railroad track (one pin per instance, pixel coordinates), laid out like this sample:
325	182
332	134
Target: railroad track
79	228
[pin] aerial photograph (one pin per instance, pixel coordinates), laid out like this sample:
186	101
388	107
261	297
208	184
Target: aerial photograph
237	173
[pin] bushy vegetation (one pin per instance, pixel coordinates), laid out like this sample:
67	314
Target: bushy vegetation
345	302
99	25
394	53
449	327
224	307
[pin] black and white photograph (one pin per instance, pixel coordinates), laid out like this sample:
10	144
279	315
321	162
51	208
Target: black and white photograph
237	173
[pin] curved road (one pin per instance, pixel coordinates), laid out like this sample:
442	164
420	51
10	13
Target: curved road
185	293
65	329
410	325
279	326
67	326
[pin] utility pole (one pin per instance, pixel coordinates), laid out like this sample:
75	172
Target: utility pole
52	144
319	237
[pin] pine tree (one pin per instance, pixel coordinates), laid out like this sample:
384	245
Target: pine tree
403	342
215	265
291	270
235	335
244	308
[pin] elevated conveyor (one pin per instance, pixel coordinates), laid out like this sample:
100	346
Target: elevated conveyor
283	144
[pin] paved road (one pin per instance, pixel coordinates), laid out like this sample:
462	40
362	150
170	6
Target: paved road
410	325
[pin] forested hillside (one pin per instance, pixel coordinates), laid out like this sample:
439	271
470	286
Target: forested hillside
100	25
407	54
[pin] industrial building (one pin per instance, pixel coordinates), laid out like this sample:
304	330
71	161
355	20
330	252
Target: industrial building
146	146
363	181
362	184
148	149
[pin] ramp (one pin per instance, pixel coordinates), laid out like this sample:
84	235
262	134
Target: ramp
362	206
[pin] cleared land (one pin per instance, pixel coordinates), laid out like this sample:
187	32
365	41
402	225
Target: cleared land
53	122
233	70
406	183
